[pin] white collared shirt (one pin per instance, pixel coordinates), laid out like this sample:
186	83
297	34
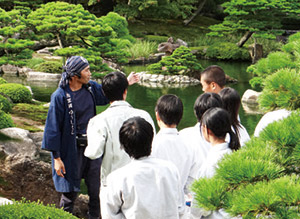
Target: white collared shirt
145	188
103	136
168	145
216	153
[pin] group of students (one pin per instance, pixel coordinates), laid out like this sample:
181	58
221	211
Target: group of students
143	174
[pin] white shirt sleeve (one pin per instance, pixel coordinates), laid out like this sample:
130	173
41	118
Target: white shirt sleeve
96	135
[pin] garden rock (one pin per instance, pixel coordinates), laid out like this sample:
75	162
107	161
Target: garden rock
5	201
10	70
21	143
169	46
250	96
41	76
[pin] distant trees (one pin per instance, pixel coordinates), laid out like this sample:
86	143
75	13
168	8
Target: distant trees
257	18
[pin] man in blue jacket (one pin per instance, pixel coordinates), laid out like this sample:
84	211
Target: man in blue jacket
71	107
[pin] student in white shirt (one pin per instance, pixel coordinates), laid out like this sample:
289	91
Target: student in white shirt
215	124
192	135
232	102
147	187
103	129
167	144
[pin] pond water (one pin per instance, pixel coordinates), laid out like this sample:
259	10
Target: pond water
145	98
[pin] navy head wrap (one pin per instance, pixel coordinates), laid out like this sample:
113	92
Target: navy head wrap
74	65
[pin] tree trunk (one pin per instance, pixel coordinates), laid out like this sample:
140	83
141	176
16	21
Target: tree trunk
244	39
59	41
199	9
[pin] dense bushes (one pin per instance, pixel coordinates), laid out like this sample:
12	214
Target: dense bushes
227	51
182	61
281	90
5	120
2	81
5	104
259	179
49	67
288	57
16	92
32	210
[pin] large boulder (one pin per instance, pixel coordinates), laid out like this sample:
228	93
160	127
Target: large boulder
20	143
10	70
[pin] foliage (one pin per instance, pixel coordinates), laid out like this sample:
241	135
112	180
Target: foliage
27	209
288	57
142	49
155	8
5	104
261	17
182	61
49	67
15	38
5	121
2	81
93	37
18	93
227	51
32	63
281	90
260	179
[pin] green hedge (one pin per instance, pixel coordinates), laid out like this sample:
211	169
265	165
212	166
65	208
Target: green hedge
5	121
18	93
32	210
49	67
5	104
2	81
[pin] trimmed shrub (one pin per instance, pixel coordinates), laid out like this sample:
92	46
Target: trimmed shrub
281	90
278	198
5	121
34	210
49	67
2	81
5	104
227	51
182	62
18	93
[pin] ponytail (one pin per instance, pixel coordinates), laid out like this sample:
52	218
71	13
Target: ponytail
234	143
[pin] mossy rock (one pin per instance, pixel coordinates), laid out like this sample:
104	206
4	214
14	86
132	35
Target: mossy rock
18	93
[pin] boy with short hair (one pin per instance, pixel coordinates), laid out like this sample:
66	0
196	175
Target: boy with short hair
213	79
103	129
147	187
167	144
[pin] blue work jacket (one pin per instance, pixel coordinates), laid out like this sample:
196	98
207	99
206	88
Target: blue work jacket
60	136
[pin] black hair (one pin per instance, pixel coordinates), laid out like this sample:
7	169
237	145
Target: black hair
170	109
217	120
215	74
206	101
136	135
231	102
114	85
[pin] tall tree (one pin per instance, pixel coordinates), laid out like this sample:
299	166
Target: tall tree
258	18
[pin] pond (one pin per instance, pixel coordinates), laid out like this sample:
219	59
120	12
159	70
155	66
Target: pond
145	98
